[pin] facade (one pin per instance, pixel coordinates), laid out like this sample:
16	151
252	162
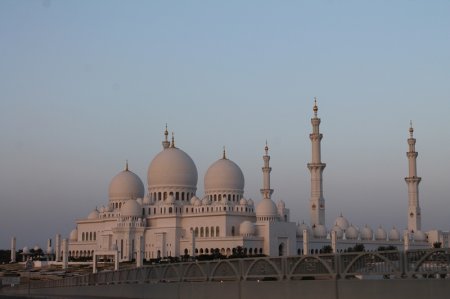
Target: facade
170	219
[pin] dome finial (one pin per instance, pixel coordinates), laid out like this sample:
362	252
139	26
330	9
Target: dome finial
173	140
315	108
166	133
126	165
224	153
266	148
411	129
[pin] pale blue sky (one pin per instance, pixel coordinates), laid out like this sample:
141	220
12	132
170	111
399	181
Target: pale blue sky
85	85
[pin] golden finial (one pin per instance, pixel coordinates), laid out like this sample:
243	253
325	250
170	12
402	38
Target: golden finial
315	108
411	129
166	133
173	140
266	148
224	153
126	165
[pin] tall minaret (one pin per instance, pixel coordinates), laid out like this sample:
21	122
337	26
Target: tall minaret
266	191
414	217
166	142
316	168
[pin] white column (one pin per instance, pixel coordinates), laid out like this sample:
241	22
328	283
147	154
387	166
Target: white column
13	249
305	242
414	215
316	167
58	247
333	241
65	259
139	252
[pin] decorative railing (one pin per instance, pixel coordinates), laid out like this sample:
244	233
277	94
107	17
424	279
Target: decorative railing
432	263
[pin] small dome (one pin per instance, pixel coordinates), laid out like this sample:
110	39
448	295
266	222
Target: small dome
301	227
126	185
419	236
243	202
131	208
170	200
351	233
266	208
172	167
73	235
36	247
394	234
25	250
320	231
194	199
93	215
338	230
206	201
380	234
342	222
366	233
224	175
247	228
250	202
146	200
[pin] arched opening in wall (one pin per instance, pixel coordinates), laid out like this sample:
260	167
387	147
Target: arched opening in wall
196	231
215	197
143	211
299	252
158	254
250	251
232	231
281	249
149	211
207	232
201	232
229	197
206	250
82	236
196	250
234	197
186	251
177	195
165	195
222	251
159	196
220	197
95	236
154	210
245	250
170	210
212	231
201	250
260	251
228	251
217	231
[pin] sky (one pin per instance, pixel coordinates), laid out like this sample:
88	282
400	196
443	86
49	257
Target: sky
87	85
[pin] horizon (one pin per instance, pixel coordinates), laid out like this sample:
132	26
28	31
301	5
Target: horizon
85	86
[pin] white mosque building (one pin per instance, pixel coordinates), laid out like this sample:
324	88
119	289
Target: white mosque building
171	219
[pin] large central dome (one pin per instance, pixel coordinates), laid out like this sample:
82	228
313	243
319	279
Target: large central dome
172	168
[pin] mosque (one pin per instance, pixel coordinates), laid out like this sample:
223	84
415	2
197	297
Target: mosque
171	220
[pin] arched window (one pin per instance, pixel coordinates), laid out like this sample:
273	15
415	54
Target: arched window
217	231
82	236
95	236
232	231
196	231
170	210
201	232
207	232
212	231
177	195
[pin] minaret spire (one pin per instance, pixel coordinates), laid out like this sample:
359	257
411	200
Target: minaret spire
166	142
266	191
173	140
414	215
126	165
316	167
224	155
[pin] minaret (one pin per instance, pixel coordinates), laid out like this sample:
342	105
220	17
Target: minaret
414	217
316	168
166	142
266	191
